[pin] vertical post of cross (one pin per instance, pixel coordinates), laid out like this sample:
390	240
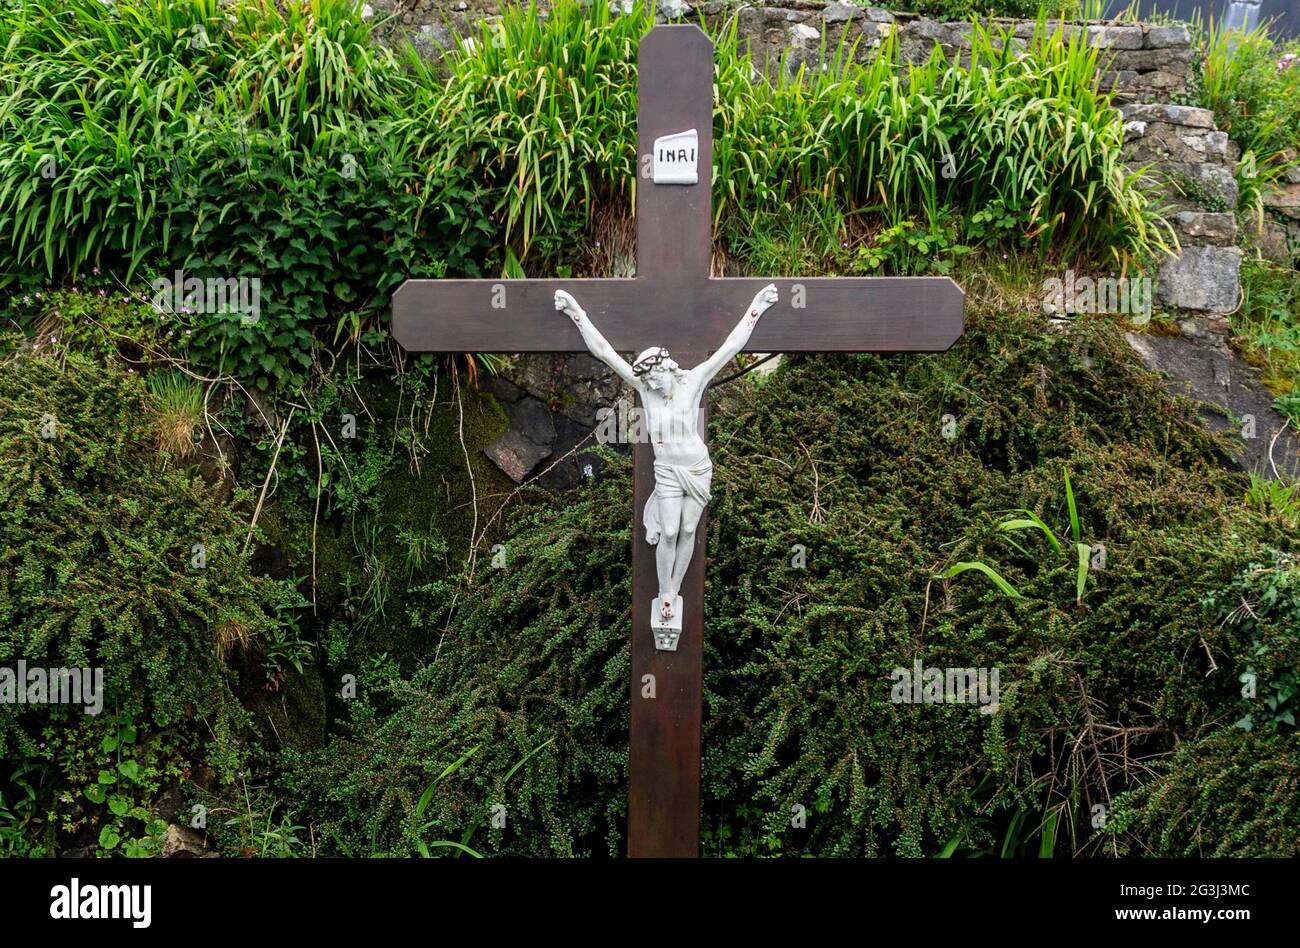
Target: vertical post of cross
674	247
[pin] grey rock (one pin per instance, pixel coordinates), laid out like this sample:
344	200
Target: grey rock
1123	80
929	30
673	9
839	12
1115	37
1147	60
1280	243
1215	182
1219	378
1134	130
1201	278
182	842
1187	115
566	473
531	418
1284	200
516	455
1289	156
575	383
1209	144
1164	37
1206	225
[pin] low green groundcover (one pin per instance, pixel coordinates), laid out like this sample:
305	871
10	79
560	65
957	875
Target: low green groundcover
886	471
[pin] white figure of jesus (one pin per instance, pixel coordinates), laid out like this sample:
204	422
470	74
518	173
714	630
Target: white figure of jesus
670	398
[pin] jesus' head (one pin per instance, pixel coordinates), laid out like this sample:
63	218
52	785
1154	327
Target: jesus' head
657	369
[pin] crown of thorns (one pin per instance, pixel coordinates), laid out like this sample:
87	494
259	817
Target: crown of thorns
647	363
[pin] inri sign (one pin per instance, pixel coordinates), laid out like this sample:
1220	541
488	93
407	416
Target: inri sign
675	160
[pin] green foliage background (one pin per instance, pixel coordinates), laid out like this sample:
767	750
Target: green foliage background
288	146
843	456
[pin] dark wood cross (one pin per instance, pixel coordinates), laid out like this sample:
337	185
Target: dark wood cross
673	302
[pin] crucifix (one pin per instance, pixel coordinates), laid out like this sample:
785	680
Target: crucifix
686	325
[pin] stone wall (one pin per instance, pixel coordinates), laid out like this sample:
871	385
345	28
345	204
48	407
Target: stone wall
1196	163
1141	62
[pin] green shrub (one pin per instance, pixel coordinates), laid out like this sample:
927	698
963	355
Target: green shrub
1231	793
965	9
1266	326
844	456
278	142
98	546
254	140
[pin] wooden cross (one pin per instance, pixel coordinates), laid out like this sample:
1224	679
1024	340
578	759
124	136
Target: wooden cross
673	302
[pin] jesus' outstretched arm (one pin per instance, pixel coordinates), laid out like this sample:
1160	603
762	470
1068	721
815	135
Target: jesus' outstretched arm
597	343
763	301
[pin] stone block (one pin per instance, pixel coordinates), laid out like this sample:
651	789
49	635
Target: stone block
1203	279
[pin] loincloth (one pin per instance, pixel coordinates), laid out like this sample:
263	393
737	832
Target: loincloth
676	480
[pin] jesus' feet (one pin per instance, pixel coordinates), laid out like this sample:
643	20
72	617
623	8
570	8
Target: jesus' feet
666	608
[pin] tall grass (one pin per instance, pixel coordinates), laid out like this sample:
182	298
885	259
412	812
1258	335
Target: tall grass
226	139
278	140
1024	134
1252	83
547	106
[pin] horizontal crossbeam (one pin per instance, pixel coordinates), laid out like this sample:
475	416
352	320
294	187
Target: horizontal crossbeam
823	314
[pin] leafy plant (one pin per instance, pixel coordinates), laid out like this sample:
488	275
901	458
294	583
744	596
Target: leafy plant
1252	82
1262	606
113	771
1080	556
259	141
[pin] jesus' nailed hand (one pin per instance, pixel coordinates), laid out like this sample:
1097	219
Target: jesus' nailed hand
670	399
